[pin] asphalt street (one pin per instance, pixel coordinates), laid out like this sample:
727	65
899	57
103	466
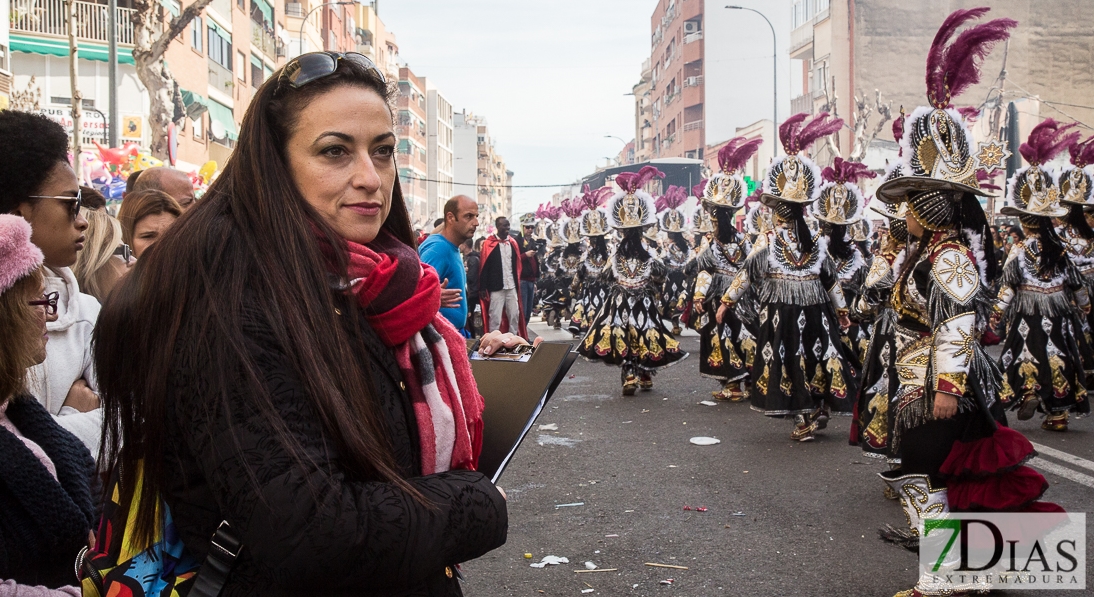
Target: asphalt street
780	518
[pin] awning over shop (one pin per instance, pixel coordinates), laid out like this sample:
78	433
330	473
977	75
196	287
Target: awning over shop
218	112
59	47
193	104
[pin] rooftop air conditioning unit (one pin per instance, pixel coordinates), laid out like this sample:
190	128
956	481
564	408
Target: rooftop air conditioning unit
691	27
691	82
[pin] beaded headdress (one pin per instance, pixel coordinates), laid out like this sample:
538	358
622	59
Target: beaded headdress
670	215
727	189
840	200
632	207
795	178
1076	181
1032	191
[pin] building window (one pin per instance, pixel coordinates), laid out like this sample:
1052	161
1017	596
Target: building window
220	48
256	74
195	34
241	62
196	127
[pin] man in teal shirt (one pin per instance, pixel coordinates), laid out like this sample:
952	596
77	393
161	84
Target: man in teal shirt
441	252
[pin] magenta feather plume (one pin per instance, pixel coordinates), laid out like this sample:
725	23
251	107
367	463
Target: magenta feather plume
541	211
844	171
969	113
788	132
572	207
603	194
953	68
1046	140
726	152
672	199
754	197
817	128
737	152
632	181
1082	152
985	181
898	128
700	188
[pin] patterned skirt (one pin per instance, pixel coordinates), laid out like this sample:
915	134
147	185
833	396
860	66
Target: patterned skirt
727	349
1044	357
674	294
628	329
873	417
801	362
592	296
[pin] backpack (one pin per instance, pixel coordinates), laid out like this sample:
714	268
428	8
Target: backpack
120	566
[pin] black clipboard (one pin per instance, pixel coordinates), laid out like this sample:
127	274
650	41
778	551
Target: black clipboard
515	394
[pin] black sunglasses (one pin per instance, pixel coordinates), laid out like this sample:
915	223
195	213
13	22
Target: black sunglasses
76	202
312	66
49	301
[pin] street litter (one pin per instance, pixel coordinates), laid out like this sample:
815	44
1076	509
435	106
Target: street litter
597	570
611	535
557	506
668	581
701	509
705	441
739	514
550	427
527	556
550	560
673	566
590	566
709	403
587	590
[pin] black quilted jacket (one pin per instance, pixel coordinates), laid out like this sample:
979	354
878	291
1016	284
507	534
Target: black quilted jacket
352	536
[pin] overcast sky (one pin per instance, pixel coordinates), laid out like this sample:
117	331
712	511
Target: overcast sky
551	78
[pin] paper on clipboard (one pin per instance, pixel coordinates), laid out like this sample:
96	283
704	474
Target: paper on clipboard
515	393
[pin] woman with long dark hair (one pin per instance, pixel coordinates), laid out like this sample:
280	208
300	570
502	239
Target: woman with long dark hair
1076	184
257	364
628	331
949	429
802	369
841	206
1045	356
594	274
726	348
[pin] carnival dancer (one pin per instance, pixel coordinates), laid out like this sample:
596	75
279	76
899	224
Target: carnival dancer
549	289
1076	184
594	273
802	369
726	347
569	261
701	228
841	206
628	330
1041	294
955	453
873	407
675	254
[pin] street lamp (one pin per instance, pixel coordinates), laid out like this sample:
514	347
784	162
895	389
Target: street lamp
620	139
304	21
774	66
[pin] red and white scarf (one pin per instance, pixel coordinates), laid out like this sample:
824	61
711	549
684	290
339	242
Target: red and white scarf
401	298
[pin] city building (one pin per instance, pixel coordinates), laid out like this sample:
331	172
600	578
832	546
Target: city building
856	49
465	151
643	114
479	168
6	78
675	81
411	130
375	41
757	165
439	123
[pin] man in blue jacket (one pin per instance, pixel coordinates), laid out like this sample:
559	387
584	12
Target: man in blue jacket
442	253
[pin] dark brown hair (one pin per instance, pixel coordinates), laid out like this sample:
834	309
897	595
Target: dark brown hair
138	205
21	333
251	244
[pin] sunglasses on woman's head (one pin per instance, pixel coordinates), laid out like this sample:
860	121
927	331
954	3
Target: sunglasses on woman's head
312	66
75	202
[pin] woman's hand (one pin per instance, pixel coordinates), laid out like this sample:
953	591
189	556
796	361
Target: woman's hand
844	321
945	405
697	305
81	397
492	342
451	298
721	315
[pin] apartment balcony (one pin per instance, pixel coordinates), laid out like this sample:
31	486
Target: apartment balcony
50	17
801	41
802	103
294	9
696	81
263	39
695	125
691	37
220	78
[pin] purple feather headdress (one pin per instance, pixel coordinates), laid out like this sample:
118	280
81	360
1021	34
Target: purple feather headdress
953	68
700	188
736	153
572	207
1082	152
984	180
898	132
672	199
1046	140
754	197
844	171
541	211
797	138
632	181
